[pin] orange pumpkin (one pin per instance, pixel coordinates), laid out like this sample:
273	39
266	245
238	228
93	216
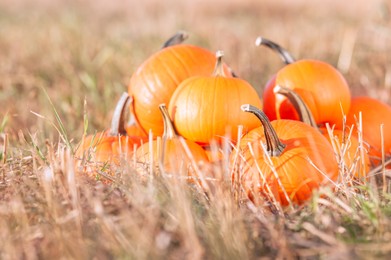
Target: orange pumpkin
204	107
322	87
107	147
171	154
154	82
351	154
374	114
295	161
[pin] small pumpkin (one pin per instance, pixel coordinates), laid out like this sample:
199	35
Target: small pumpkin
297	160
351	154
322	87
108	147
171	155
154	82
203	108
374	113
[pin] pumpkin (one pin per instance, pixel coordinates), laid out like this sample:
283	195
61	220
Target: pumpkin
297	160
108	147
374	113
171	155
154	82
322	87
203	108
351	154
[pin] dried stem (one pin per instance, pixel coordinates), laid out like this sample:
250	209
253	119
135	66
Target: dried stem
169	132
274	146
169	129
299	104
177	38
117	122
219	70
284	54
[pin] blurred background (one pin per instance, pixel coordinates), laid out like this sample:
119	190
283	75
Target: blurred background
79	51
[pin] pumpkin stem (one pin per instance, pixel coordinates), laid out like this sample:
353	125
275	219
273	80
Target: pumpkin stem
118	120
299	104
169	129
274	146
177	38
219	70
284	54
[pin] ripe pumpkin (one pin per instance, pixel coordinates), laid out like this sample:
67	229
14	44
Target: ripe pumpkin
203	108
107	147
170	154
154	82
351	154
374	113
322	87
299	160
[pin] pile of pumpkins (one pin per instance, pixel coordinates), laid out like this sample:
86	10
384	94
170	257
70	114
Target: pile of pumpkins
305	132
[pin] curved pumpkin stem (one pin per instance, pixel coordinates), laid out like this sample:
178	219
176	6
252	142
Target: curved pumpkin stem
169	129
274	146
284	54
299	104
219	70
169	132
177	38
118	120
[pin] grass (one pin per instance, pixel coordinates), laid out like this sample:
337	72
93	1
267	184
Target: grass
65	65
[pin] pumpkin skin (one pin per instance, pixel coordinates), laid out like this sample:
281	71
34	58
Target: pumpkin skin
170	152
299	178
154	82
322	87
374	113
205	108
132	127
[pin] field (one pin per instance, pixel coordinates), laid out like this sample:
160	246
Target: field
64	64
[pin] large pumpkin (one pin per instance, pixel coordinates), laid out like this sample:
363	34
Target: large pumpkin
322	87
154	82
296	160
204	108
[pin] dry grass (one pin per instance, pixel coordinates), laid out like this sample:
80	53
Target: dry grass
87	50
